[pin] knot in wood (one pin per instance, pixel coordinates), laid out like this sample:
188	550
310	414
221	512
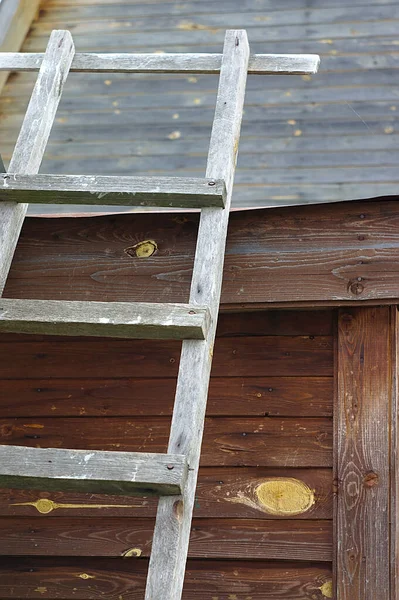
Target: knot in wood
143	249
371	479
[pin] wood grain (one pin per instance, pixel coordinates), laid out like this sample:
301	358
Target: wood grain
269	442
57	469
214	539
259	64
228	396
273	322
277	255
113	190
234	357
393	463
363	448
222	492
63	579
105	319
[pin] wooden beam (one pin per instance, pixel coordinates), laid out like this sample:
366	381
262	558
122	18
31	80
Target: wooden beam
105	319
173	524
362	446
16	17
96	472
259	64
33	137
177	192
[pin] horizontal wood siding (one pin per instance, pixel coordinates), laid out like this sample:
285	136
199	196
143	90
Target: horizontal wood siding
310	254
269	424
87	579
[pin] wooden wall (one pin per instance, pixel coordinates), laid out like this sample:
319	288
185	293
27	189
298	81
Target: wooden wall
262	526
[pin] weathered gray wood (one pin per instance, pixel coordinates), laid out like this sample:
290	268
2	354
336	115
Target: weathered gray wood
94	471
109	319
172	530
112	190
259	64
32	139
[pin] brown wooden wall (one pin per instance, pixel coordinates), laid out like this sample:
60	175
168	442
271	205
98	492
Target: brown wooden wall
262	526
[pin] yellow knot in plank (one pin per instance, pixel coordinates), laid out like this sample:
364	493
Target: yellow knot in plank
143	249
285	496
85	576
136	552
44	506
326	589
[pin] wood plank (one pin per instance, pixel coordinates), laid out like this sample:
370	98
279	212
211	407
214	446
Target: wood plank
245	442
321	260
273	322
63	579
363	448
105	319
233	17
393	463
237	396
346	147
16	17
243	357
207	5
214	539
113	190
55	469
222	492
172	39
120	127
32	139
187	163
179	91
259	64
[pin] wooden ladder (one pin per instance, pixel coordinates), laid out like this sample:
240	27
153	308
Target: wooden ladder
172	476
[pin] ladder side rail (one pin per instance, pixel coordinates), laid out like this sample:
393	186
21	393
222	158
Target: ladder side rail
173	523
259	64
32	140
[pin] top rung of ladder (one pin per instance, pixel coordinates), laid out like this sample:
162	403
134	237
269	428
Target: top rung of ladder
259	64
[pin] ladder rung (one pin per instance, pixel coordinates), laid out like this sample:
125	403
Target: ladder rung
179	192
259	64
108	319
92	471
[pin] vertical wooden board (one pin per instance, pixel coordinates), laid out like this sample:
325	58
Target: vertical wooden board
363	413
394	459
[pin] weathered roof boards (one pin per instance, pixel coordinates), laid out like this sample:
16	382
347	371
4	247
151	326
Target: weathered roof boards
194	323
